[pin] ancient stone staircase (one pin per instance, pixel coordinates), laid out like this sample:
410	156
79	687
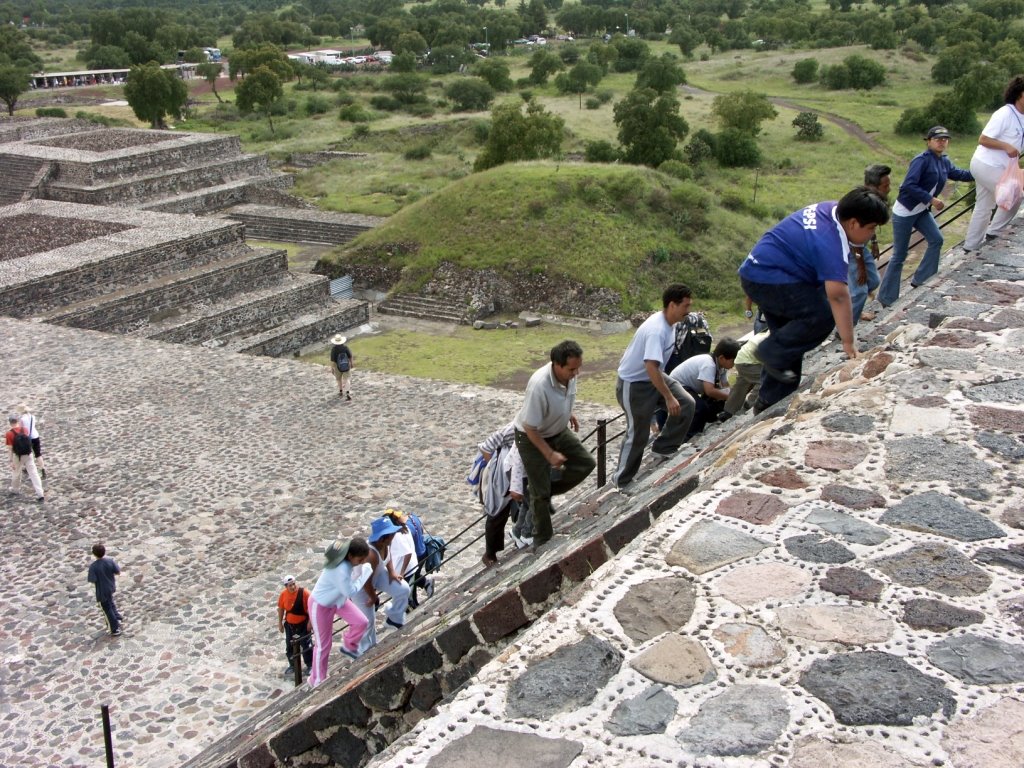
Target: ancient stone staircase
293	225
423	307
204	286
21	176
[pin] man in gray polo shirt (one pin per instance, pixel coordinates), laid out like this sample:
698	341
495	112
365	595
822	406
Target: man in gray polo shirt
545	428
643	385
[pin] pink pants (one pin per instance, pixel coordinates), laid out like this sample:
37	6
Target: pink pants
322	619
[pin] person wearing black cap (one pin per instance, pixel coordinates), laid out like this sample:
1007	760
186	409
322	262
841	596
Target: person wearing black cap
918	195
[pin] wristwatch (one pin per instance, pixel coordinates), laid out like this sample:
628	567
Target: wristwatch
749	313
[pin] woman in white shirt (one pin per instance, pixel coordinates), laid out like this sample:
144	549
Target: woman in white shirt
999	145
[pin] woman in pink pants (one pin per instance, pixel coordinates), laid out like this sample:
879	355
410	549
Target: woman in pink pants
330	598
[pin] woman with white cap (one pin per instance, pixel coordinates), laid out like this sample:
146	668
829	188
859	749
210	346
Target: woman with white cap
330	598
342	364
383	579
30	423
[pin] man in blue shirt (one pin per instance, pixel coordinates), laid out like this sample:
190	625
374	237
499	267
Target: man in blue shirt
797	274
919	194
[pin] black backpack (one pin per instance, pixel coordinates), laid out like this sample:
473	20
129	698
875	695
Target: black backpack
342	361
22	444
693	337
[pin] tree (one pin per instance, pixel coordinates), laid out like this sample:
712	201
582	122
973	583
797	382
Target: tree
807	127
411	42
661	74
13	82
650	126
578	79
154	93
16	48
514	136
495	73
743	110
469	94
542	65
685	37
406	87
633	52
259	90
865	74
403	62
805	71
265	55
735	148
944	109
210	71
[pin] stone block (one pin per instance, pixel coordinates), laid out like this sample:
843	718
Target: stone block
536	589
564	681
260	757
455	642
426	693
745	720
937	616
708	545
485	746
936	567
581	563
503	616
423	660
294	740
347	709
675	660
345	748
624	531
653	607
387	689
757	508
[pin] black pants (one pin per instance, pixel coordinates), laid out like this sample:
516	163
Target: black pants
292	631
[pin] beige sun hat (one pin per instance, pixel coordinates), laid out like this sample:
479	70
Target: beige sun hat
339	339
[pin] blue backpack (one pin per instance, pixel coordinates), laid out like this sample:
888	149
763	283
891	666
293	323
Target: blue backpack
435	552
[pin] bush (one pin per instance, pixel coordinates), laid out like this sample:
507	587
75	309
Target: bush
807	127
601	152
605	95
385	103
422	152
481	131
592	103
469	94
361	131
701	147
677	169
420	110
317	105
344	98
944	109
354	113
736	149
50	112
805	71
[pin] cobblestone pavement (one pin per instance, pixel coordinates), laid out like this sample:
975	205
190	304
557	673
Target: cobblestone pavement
844	588
208	475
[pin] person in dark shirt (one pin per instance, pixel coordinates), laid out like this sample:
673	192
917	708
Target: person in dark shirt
102	573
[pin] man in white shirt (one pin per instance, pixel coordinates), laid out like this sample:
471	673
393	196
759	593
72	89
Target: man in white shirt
643	385
704	377
545	435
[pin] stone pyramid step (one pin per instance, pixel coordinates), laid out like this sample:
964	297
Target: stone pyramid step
424	307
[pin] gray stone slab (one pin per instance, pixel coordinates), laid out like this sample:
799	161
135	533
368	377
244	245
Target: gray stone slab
852	583
648	712
936	567
1011	558
874	688
815	548
1010	391
979	660
485	746
847	527
708	545
653	607
931	458
934	513
852	423
852	498
948	359
676	660
745	720
567	679
1003	446
937	616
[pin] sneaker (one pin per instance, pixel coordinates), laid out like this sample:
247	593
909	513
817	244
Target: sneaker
519	541
428	586
390	623
40	499
659	458
42	473
116	633
627	492
289	671
348	397
489	561
350	654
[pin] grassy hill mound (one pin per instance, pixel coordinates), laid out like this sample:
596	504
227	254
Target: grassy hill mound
624	229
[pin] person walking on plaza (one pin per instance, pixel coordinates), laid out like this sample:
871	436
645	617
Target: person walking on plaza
19	443
919	194
293	621
643	386
342	364
31	424
102	573
797	274
331	597
864	278
1000	143
545	434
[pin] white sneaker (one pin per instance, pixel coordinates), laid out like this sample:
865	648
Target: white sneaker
429	586
659	458
521	542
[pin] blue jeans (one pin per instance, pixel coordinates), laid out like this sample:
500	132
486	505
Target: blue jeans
800	318
902	226
859	293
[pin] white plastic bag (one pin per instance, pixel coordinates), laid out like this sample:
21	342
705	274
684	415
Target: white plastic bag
1010	186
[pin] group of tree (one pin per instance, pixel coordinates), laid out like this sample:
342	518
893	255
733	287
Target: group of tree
17	63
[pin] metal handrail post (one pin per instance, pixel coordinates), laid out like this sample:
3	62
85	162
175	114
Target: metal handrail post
108	742
602	451
297	659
